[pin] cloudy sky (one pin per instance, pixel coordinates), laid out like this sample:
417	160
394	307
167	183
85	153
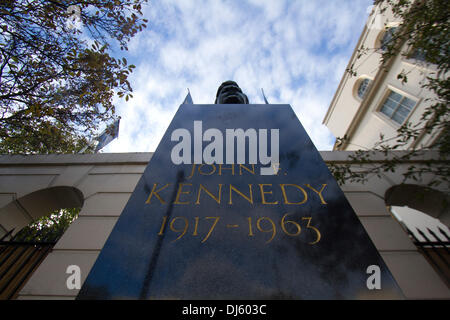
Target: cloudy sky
296	50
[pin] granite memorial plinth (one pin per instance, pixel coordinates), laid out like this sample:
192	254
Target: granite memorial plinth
227	231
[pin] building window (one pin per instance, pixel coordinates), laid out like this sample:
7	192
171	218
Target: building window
397	107
434	57
387	38
362	88
418	54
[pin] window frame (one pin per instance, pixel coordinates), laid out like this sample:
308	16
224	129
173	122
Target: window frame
389	30
388	90
423	65
379	39
357	85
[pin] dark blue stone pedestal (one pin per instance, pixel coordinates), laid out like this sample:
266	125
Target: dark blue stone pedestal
227	232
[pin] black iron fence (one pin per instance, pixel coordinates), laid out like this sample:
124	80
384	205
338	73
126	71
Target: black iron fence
435	248
20	255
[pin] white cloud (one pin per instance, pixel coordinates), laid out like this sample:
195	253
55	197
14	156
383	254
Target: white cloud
296	50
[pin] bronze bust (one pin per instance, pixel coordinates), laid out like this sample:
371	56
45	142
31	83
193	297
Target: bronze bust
230	93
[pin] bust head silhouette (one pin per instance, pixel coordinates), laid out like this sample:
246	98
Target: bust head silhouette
230	93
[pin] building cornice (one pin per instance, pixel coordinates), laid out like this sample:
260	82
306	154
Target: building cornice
132	158
345	77
142	158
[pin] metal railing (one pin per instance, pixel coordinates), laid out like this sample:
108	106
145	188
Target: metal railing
19	258
435	249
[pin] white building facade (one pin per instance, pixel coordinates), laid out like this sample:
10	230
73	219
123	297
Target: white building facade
371	99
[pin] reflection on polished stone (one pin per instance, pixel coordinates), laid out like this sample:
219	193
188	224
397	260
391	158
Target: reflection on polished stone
223	231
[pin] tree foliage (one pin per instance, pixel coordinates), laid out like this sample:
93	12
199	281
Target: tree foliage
57	75
48	228
423	34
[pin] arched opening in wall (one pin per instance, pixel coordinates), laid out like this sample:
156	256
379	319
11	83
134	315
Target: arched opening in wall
424	214
31	226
